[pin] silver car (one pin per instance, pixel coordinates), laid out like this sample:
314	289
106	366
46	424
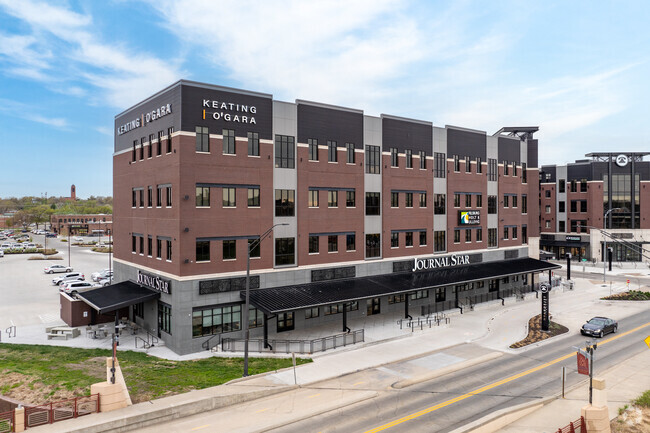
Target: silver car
70	276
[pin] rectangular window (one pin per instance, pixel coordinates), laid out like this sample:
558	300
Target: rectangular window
202	196
373	159
524	175
135	151
524	204
394	240
514	168
561	185
313	244
505	233
168	191
492	169
479	235
423	160
394	199
423	238
396	299
409	199
311	313
313	149
142	141
409	158
583	185
514	233
514	201
468	235
419	294
149	196
373	245
492	204
332	198
547	224
141	244
150	150
373	203
284	151
284	203
423	199
468	200
524	234
253	144
331	151
506	201
547	193
561	206
158	248
350	199
479	200
505	168
583	205
217	320
350	242
170	131
574	206
313	198
159	144
254	247
284	251
332	244
441	294
138	310
229	197
409	239
134	197
439	207
468	165
253	197
574	186
202	139
393	157
133	243
350	149
479	165
164	317
169	250
229	249
439	165
456	200
456	164
439	241
492	238
548	208
202	251
561	227
229	141
456	236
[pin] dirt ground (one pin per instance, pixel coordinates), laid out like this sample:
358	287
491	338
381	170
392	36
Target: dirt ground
632	420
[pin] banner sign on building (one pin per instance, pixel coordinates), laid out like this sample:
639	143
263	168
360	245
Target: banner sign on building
583	362
469	217
155	283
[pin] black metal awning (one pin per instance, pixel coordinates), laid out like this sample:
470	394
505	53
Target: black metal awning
556	243
279	299
116	296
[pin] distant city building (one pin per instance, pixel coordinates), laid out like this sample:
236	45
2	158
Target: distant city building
574	199
84	225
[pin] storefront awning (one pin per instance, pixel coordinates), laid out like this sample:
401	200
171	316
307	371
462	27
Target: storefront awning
566	244
279	299
116	296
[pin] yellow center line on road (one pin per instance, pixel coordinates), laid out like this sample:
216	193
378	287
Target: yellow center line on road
315	395
262	410
200	427
493	385
358	383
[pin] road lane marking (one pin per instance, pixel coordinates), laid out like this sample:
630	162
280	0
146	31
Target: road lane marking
358	383
200	427
315	395
493	385
262	410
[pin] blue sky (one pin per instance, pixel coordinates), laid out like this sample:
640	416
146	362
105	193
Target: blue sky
576	69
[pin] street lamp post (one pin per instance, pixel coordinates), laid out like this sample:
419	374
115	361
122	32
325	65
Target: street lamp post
245	313
605	240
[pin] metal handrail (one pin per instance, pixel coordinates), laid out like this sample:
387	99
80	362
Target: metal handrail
206	343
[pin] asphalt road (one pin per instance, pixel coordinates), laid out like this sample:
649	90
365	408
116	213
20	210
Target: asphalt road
454	400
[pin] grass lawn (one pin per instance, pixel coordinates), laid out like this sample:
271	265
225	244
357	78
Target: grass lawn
54	372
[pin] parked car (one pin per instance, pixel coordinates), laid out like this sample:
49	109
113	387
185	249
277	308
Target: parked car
101	274
28	246
57	269
5	246
105	281
77	239
50	235
74	287
599	326
70	276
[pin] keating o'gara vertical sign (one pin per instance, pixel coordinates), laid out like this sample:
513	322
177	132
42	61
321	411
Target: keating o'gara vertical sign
155	283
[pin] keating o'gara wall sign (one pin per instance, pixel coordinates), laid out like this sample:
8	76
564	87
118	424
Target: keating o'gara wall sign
154	283
440	262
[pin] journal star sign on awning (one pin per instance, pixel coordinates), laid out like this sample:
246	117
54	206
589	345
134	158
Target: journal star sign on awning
279	299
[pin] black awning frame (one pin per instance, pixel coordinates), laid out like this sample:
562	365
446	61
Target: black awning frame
279	299
117	296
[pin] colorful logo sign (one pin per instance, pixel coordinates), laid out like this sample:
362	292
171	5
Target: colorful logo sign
469	217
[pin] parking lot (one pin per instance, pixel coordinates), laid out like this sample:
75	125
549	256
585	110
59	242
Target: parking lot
26	292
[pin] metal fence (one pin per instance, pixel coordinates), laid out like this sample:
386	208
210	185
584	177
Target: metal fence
7	421
424	321
60	410
577	426
295	346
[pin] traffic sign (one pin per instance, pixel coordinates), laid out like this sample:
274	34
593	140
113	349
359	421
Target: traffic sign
647	341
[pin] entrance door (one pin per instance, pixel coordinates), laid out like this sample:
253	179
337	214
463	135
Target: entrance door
373	306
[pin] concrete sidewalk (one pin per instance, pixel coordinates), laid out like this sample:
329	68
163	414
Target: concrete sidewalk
491	328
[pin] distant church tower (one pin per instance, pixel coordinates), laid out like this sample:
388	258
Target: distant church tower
73	193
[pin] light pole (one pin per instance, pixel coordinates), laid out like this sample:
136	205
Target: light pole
605	240
245	313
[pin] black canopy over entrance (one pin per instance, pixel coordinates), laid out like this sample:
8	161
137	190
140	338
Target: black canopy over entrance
279	299
116	296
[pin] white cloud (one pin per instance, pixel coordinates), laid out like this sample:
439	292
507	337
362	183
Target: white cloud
28	112
64	48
